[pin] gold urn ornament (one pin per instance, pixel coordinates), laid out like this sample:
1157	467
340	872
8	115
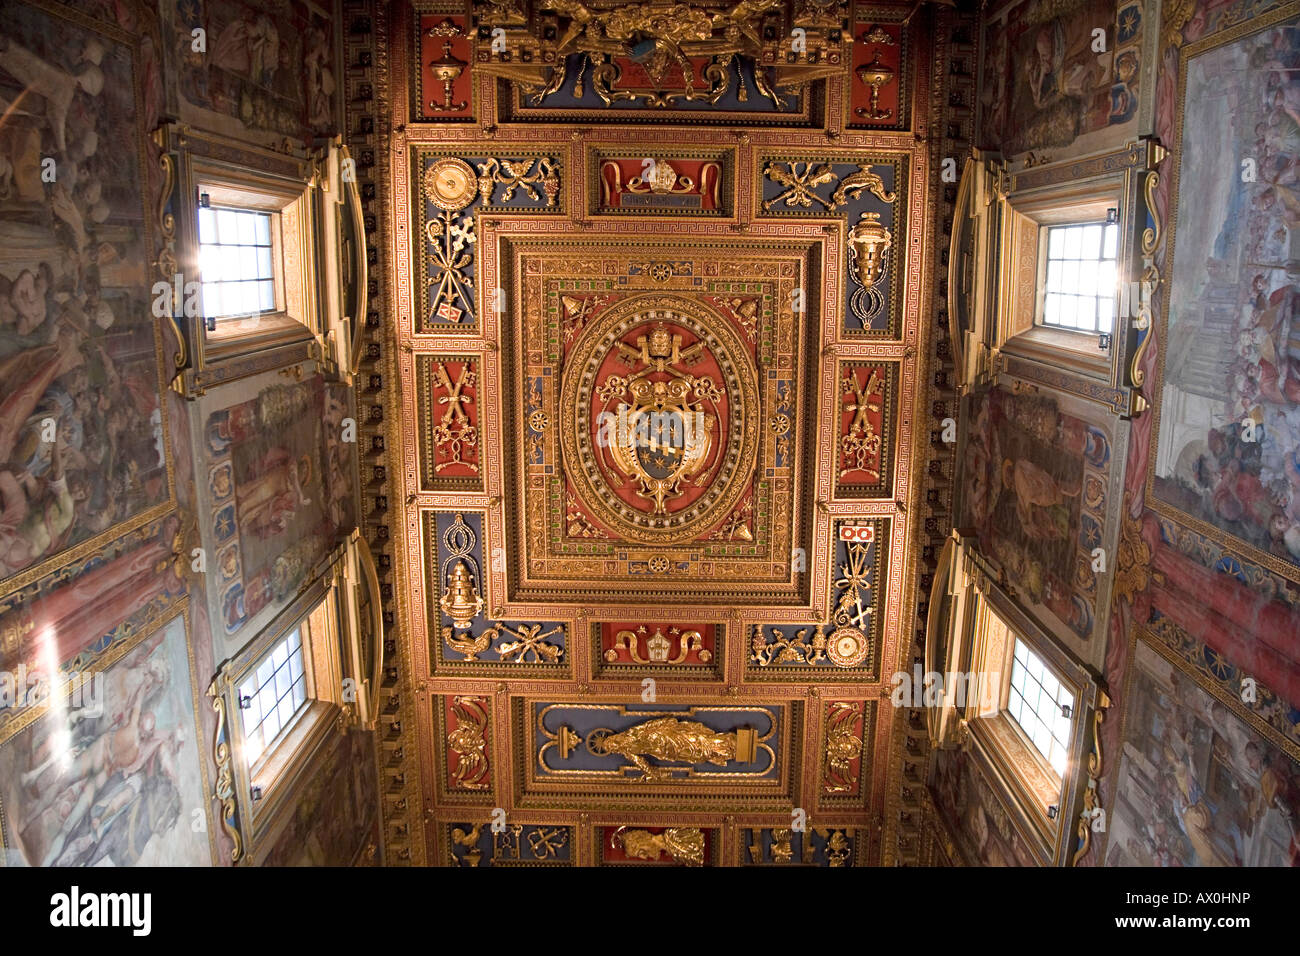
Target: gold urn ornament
869	244
461	601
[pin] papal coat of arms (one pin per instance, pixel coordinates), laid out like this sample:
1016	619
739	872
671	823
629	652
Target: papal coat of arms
661	408
664	425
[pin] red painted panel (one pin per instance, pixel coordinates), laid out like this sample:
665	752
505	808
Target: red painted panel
435	47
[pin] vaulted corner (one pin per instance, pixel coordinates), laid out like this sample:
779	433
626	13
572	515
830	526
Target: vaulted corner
657	377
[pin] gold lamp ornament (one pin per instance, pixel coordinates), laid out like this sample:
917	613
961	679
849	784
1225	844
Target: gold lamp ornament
448	70
461	602
875	75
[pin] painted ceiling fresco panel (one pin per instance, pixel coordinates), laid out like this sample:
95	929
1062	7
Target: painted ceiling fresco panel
267	72
1228	452
278	488
987	834
1197	784
83	616
1047	91
467	641
56	812
870	194
82	453
1041	481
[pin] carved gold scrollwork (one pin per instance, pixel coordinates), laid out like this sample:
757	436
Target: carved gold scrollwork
468	741
166	261
1092	810
225	788
657	647
843	746
683	844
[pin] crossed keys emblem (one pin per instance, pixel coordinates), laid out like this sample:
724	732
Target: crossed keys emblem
454	431
860	445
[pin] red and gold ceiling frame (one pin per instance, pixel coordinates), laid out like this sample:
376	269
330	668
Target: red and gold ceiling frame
442	786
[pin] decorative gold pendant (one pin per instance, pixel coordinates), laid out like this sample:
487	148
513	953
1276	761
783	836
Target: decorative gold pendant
450	184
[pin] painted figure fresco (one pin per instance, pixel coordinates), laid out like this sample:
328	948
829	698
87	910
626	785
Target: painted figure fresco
1197	786
334	813
1049	80
986	833
81	447
1229	441
266	70
1036	495
279	480
109	776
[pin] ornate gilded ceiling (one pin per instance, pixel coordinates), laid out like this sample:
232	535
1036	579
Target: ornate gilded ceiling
658	365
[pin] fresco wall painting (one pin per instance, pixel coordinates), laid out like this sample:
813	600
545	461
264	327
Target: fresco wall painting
1050	85
1198	784
111	774
82	455
1228	453
278	483
1037	485
266	72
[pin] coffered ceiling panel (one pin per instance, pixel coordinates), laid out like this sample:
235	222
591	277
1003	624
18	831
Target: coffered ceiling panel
659	366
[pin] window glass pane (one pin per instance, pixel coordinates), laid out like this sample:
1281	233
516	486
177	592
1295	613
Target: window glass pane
227	226
248	262
1106	278
282	682
1091	242
1070	277
247	229
1088	277
1052	309
278	688
235	248
247	297
1054	277
1073	241
1081	262
1055	243
207	226
1040	715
